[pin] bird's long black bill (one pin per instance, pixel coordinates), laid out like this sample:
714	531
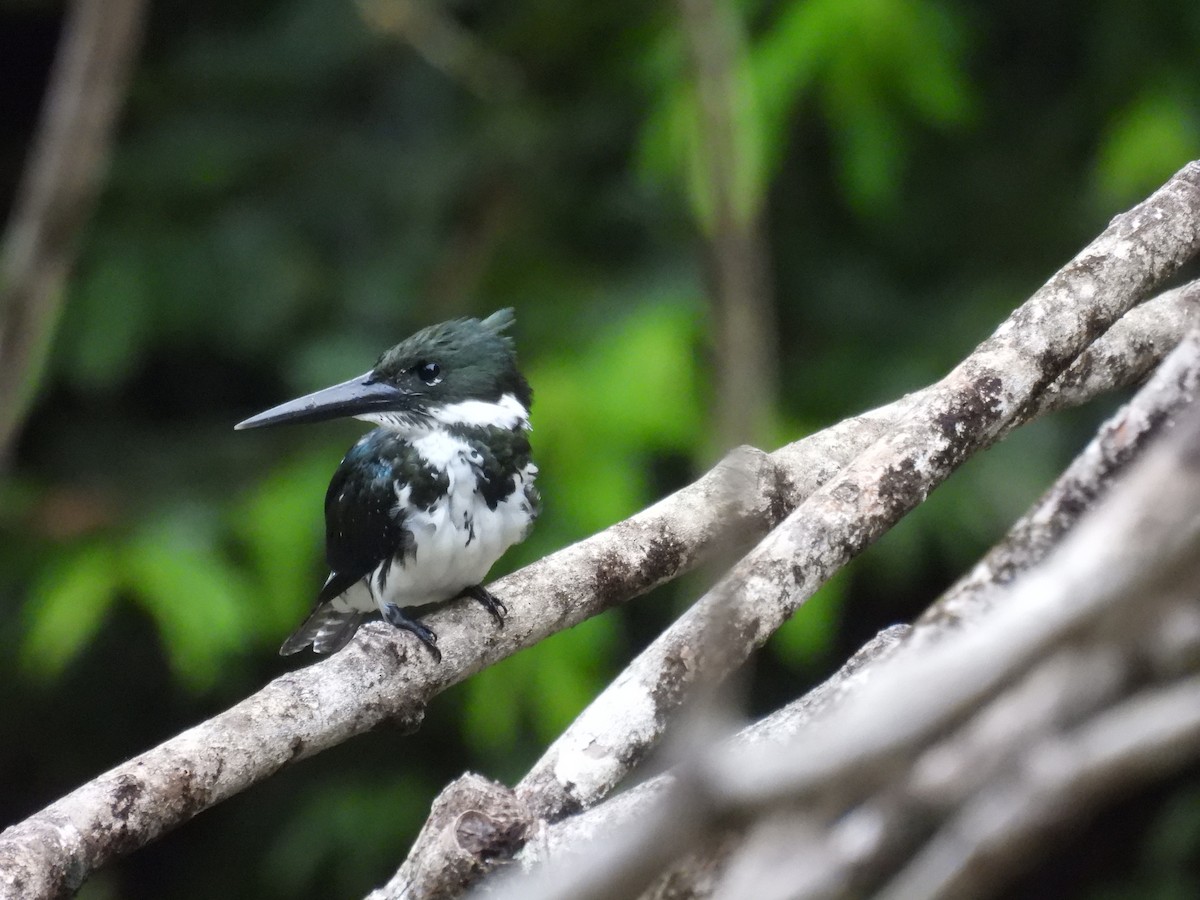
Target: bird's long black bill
350	398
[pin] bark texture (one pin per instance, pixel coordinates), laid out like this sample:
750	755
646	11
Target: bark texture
950	763
910	446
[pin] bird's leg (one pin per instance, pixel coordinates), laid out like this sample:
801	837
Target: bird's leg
491	603
396	616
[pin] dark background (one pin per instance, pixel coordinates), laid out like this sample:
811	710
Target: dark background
293	188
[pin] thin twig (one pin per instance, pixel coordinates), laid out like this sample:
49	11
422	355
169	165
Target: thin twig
431	31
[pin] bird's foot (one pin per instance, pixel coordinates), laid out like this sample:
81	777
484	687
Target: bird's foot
396	616
490	601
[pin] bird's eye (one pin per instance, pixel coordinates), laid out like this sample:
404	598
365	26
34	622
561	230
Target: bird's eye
430	373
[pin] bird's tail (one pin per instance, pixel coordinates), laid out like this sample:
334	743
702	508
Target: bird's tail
327	629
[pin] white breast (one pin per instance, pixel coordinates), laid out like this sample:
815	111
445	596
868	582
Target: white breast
459	538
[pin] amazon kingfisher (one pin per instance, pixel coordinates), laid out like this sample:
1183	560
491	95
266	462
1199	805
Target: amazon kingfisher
422	506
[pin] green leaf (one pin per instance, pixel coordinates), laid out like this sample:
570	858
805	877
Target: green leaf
547	685
344	827
677	147
867	134
66	607
871	61
99	349
788	59
594	429
281	525
494	699
573	669
1145	143
198	601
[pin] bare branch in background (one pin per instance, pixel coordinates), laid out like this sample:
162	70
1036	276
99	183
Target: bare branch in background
378	678
456	276
58	190
746	373
443	43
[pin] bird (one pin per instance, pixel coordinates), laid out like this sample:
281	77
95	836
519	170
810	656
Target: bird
420	507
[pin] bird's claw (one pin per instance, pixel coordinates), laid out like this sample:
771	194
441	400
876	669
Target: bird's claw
489	601
397	617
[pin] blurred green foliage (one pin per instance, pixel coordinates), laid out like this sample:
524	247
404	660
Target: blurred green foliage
1158	128
293	190
877	68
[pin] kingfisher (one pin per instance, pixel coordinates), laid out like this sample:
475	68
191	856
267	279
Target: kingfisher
422	506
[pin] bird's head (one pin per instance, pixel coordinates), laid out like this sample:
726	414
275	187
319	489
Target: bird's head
459	372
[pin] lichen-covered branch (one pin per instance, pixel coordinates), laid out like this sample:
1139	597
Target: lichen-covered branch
552	841
612	736
441	855
1070	693
1126	434
1137	343
1028	542
994	388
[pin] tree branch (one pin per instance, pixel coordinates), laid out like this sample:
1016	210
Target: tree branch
1057	782
1137	343
842	858
994	389
1036	533
613	735
552	841
1169	390
1122	623
59	188
730	213
430	29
